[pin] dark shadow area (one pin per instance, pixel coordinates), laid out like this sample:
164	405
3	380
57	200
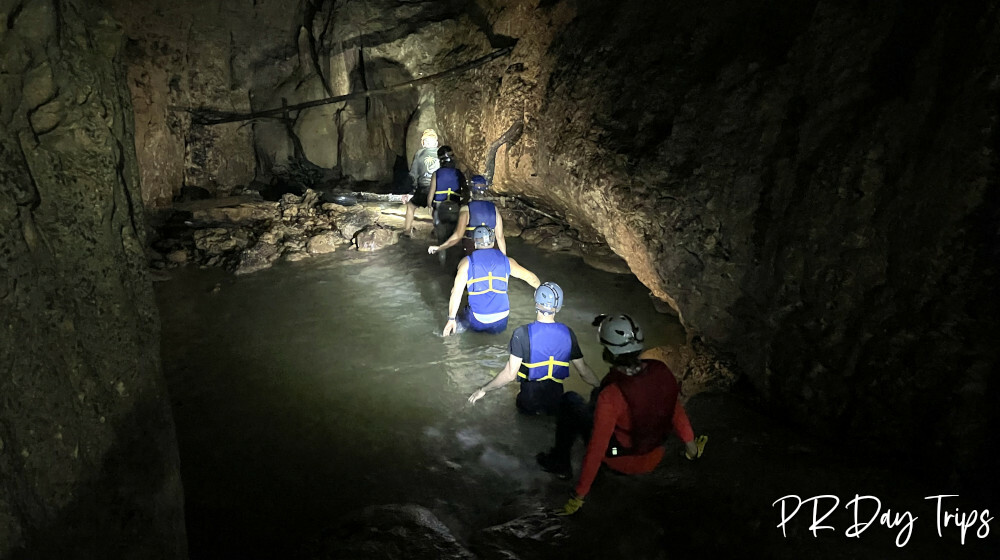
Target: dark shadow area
120	510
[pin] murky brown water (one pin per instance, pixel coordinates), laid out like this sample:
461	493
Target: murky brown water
315	388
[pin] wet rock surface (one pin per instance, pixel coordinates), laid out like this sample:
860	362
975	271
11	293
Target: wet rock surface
775	173
375	237
88	457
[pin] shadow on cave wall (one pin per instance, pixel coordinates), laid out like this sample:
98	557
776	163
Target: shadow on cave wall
118	513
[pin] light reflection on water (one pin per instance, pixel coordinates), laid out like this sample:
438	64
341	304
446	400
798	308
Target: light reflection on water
315	388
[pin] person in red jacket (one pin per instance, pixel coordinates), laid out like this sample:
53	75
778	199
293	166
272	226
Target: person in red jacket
637	408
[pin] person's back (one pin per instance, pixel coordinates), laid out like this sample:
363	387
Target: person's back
489	271
548	353
425	163
650	398
540	355
448	185
636	409
481	213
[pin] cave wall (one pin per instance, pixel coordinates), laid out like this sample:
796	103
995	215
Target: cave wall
811	185
251	55
88	457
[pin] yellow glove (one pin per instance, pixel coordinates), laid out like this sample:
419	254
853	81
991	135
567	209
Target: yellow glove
700	445
572	506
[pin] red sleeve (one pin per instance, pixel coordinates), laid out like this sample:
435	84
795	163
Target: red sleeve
610	404
682	426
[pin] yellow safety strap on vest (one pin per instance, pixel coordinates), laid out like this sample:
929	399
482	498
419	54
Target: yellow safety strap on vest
551	362
449	192
470	228
488	278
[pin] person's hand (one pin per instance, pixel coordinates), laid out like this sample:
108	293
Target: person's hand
476	396
406	198
449	327
432	249
572	506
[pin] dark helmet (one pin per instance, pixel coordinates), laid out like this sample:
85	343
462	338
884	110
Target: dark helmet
445	154
548	298
483	237
619	334
478	184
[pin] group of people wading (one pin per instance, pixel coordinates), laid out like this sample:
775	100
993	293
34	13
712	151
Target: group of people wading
632	410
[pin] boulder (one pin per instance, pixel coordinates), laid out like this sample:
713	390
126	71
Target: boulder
375	237
354	220
217	241
323	243
260	256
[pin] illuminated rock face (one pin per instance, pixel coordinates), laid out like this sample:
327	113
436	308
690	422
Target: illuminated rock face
811	186
88	457
807	184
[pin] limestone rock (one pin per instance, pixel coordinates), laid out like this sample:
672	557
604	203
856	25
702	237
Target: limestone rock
89	465
179	256
349	223
258	257
603	258
375	237
217	241
323	243
244	214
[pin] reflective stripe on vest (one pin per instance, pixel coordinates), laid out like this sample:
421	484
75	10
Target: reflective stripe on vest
488	278
481	213
550	363
550	345
489	271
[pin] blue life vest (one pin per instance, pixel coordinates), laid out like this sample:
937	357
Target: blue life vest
489	270
550	345
481	213
446	185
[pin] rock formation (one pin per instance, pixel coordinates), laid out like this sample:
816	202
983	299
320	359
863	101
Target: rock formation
807	184
810	185
88	457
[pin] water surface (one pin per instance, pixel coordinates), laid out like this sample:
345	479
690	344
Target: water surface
312	389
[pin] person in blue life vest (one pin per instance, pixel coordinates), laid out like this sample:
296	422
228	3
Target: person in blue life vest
476	213
447	182
485	274
540	356
445	194
425	163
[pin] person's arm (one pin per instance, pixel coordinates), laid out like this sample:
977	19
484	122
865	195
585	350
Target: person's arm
501	242
586	373
457	235
609	405
430	192
505	376
456	296
518	271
